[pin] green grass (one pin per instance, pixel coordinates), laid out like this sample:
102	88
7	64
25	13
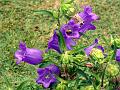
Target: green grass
19	22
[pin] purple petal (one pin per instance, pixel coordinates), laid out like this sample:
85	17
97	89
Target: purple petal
46	82
86	27
40	71
54	43
87	9
29	55
87	14
71	22
22	46
54	69
70	30
117	57
19	56
46	78
94	16
101	48
89	49
91	27
33	56
69	43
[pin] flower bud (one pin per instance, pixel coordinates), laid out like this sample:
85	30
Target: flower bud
97	54
112	69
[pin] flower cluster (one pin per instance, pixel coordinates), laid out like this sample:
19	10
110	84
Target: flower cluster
77	26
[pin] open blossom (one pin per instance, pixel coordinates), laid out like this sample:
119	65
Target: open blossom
46	76
117	57
69	32
29	55
94	49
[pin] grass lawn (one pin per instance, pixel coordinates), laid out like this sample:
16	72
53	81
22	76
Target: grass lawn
19	22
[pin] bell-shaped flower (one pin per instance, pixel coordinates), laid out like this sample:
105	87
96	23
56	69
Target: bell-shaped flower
88	15
54	43
29	55
46	76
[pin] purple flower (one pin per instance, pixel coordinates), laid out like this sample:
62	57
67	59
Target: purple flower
89	49
84	20
69	43
29	55
54	69
88	15
54	43
117	57
46	76
70	32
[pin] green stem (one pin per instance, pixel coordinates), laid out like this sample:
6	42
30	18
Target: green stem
103	74
58	20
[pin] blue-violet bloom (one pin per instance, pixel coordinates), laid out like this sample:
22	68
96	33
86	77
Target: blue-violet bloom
29	55
54	43
46	76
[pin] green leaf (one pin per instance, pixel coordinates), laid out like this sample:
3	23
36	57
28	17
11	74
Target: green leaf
45	12
61	42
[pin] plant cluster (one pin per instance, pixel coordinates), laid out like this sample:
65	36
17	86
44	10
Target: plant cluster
66	66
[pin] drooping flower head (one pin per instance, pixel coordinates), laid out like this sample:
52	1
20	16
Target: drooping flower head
29	55
46	76
117	57
95	50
